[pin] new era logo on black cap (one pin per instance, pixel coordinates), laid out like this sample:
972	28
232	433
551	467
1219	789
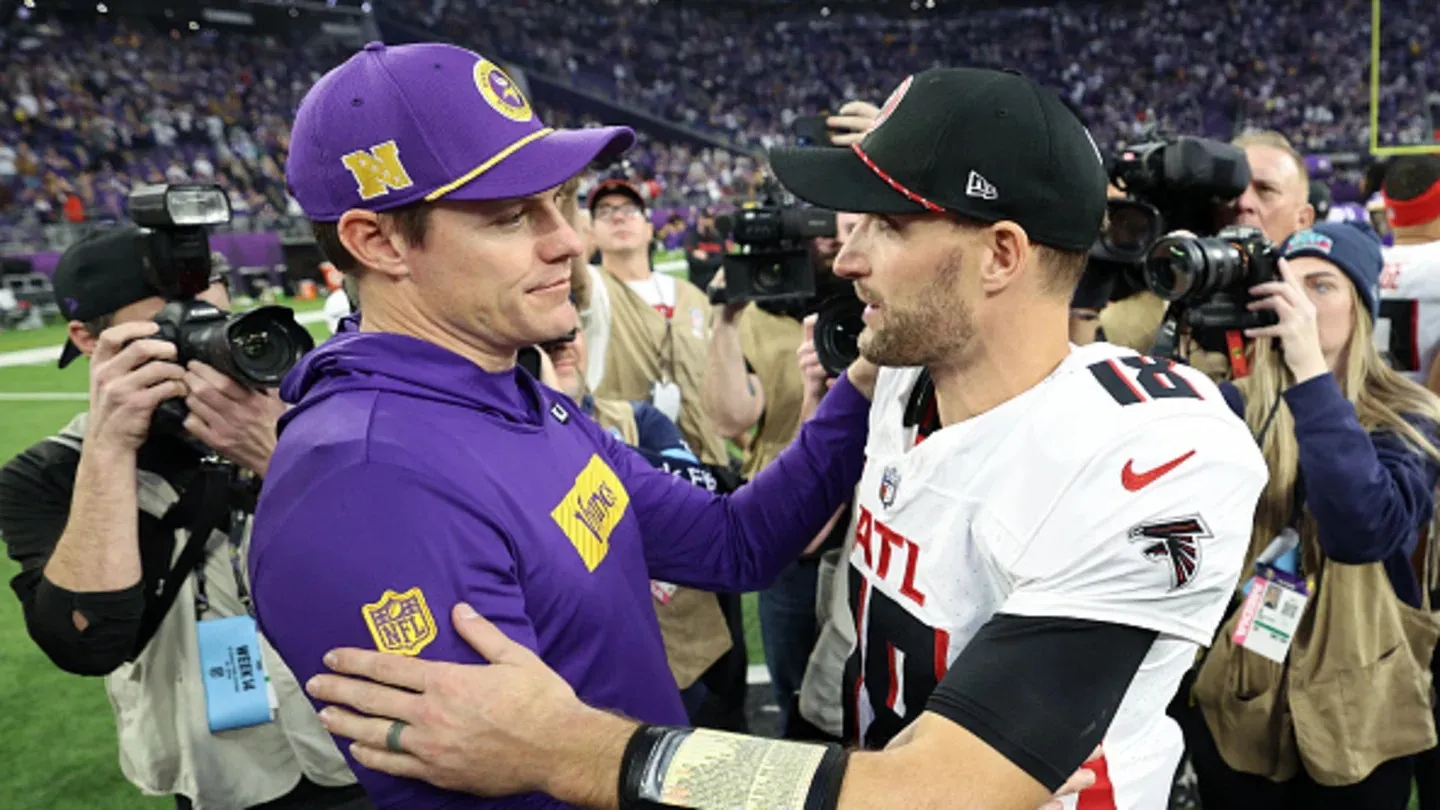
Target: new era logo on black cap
985	144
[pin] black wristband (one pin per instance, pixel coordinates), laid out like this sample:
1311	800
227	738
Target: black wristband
723	770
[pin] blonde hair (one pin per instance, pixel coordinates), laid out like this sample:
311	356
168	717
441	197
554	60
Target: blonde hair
1380	395
1275	140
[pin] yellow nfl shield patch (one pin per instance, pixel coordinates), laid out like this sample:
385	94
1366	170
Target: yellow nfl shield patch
400	623
591	509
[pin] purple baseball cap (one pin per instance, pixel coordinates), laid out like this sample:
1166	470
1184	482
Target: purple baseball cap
393	126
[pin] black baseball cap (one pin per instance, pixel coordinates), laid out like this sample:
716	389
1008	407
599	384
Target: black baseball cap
988	145
620	187
98	275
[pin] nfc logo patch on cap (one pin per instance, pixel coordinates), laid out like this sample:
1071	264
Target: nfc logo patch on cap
501	93
1310	240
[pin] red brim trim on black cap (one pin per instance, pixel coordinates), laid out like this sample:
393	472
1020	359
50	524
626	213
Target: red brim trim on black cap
69	353
843	179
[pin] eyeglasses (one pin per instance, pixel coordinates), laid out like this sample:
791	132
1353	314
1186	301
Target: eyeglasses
624	211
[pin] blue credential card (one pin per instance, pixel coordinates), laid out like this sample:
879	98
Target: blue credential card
236	695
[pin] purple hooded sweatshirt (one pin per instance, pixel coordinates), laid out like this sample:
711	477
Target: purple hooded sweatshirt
408	479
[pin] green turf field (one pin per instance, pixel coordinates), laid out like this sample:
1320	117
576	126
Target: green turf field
57	729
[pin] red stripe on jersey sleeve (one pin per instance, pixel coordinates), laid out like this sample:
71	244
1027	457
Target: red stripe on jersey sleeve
1101	795
894	677
942	654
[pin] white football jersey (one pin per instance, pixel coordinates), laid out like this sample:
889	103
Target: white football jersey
1121	489
1409	324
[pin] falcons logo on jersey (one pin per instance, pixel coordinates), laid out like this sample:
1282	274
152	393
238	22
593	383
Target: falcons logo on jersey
1175	541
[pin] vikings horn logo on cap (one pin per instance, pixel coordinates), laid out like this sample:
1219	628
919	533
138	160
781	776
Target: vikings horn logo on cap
501	93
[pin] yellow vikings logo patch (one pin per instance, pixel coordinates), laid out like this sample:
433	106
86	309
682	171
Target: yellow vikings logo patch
377	170
501	93
400	623
591	510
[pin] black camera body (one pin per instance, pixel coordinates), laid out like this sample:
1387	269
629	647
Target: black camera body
256	348
1209	278
773	262
776	269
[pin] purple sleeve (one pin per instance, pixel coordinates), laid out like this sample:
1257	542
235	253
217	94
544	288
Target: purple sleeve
1370	494
375	556
740	542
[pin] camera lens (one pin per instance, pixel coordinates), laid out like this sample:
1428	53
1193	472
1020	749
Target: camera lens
838	324
263	348
1174	268
769	277
1187	268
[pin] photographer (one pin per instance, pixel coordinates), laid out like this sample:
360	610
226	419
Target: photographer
752	382
107	594
1326	707
1278	199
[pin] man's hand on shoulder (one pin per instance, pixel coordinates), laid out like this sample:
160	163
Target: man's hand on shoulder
508	727
236	422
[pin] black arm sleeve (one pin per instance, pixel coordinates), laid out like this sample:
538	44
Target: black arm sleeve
1042	690
35	492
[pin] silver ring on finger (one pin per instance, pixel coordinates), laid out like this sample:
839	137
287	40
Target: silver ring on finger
392	739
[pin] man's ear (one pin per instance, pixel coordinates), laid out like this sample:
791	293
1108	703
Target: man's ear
1307	216
81	337
1010	252
373	245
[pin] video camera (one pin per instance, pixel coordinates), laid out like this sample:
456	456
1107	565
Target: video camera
772	261
256	348
774	266
1177	184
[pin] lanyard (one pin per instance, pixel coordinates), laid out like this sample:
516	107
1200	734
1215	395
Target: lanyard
202	601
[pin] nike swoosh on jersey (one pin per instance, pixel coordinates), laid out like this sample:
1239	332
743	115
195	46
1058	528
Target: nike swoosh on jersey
1135	482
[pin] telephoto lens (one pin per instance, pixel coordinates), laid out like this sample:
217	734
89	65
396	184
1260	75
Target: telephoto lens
1193	268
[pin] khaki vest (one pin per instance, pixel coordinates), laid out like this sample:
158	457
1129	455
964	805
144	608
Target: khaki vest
640	352
694	629
769	342
166	746
1355	691
1135	321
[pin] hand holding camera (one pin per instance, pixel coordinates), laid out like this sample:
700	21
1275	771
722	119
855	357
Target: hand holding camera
726	311
126	386
234	421
815	380
1296	327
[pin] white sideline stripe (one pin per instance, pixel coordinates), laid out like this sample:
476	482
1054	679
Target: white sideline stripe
757	673
45	396
51	354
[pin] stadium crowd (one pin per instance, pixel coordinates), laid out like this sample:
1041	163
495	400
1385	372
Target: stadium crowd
126	102
1199	68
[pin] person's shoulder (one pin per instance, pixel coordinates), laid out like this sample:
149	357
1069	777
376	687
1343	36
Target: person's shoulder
1107	399
50	462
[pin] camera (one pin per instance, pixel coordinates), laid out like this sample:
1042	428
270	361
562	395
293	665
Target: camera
1170	184
256	348
776	268
1210	277
772	260
1180	180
